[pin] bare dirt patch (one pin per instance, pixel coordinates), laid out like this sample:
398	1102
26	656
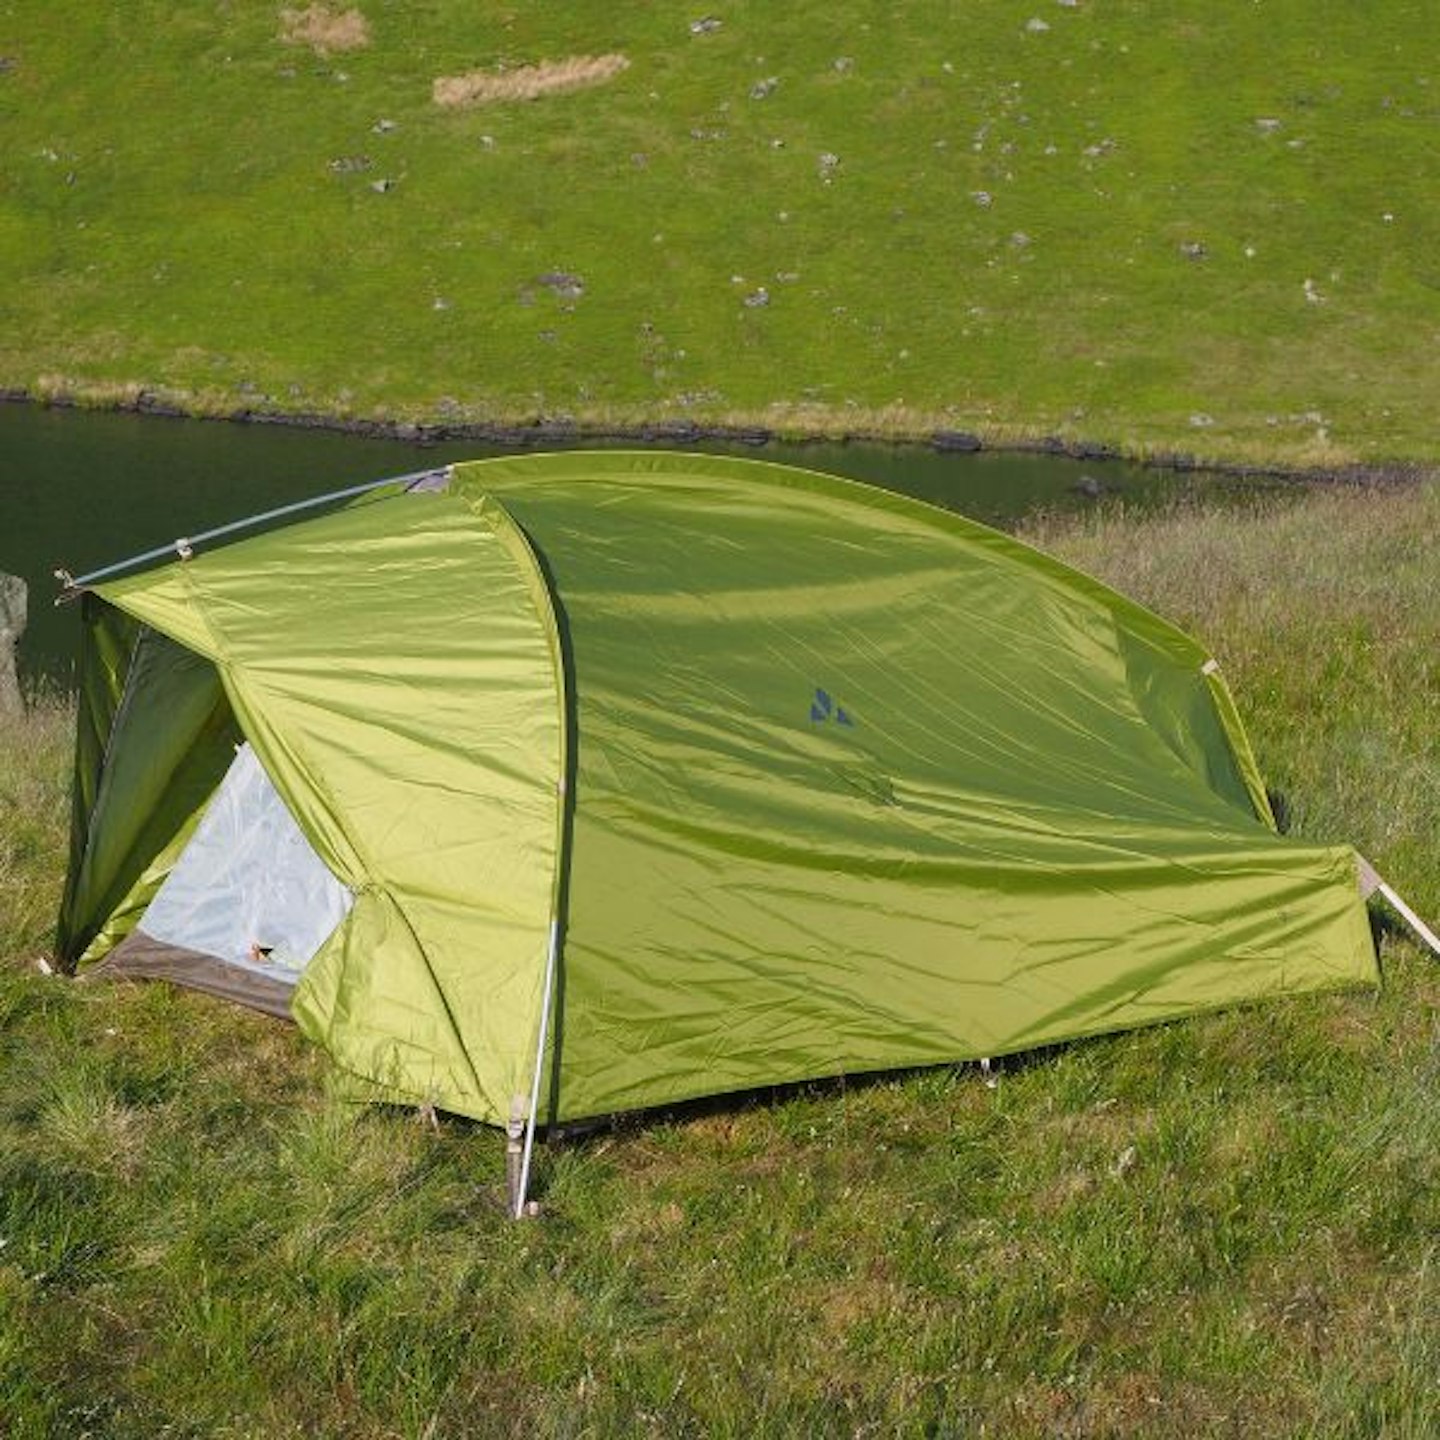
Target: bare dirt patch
326	31
528	82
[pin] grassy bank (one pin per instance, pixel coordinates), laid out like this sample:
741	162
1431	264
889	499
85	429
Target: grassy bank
1204	230
1223	1226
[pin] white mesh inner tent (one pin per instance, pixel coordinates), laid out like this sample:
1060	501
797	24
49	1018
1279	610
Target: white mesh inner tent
248	889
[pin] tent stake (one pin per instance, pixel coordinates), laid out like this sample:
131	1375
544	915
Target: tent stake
523	1187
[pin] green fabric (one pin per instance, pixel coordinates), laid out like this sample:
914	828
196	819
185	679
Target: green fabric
391	668
1037	825
852	784
155	736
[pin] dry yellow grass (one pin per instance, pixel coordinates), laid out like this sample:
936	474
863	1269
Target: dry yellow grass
325	30
529	82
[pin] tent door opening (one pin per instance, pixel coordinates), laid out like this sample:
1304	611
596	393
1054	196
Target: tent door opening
248	903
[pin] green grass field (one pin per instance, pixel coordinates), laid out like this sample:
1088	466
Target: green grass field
1224	1226
1201	228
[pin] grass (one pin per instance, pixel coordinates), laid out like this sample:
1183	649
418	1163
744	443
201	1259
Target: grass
1206	230
1221	1226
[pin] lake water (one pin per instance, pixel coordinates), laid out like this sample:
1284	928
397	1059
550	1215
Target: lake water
81	490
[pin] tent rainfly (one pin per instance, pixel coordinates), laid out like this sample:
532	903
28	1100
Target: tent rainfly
551	787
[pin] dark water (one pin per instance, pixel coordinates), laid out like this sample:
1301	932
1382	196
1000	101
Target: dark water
82	490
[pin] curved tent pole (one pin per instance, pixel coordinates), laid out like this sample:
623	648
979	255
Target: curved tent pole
184	547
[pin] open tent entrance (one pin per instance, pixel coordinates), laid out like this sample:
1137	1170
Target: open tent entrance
248	903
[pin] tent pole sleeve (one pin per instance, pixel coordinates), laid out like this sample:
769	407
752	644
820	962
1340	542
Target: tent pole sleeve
1421	929
550	962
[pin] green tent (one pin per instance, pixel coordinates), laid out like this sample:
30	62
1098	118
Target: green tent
592	782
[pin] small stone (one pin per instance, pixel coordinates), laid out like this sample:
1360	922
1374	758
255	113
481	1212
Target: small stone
1312	294
384	127
349	164
1125	1161
1388	218
764	89
983	198
1250	252
1267	125
1036	26
757	299
440	303
565	285
843	64
381	186
1193	249
1020	240
706	25
1200	420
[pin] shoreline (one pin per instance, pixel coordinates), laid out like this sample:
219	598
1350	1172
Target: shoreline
542	430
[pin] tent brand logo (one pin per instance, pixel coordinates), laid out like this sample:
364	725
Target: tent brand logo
823	707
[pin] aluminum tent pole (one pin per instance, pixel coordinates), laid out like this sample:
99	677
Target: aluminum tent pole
550	964
1426	934
184	547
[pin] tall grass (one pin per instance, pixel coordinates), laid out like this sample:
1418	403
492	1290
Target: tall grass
1225	1226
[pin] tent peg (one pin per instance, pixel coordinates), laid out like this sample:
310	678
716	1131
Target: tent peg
514	1153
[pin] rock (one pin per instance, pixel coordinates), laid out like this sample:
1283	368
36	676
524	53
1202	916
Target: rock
381	186
983	198
843	64
764	89
384	127
706	25
1089	487
955	442
1200	420
1036	26
12	627
757	299
1266	125
562	283
1193	249
349	164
